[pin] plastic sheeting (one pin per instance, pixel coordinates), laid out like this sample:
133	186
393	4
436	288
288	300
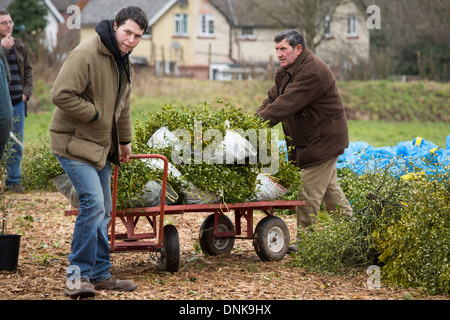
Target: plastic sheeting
418	155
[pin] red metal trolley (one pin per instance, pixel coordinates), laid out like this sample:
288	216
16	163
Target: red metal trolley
217	232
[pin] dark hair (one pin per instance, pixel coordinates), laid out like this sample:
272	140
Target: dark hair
134	13
292	36
4	13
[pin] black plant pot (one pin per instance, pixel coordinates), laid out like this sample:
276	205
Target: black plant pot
9	251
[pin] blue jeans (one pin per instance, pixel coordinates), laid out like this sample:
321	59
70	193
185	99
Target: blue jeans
13	167
90	246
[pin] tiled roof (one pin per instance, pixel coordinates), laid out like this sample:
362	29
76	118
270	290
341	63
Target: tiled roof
248	13
97	10
4	4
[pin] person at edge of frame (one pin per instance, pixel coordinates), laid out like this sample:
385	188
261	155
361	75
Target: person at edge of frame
90	130
6	108
20	91
306	100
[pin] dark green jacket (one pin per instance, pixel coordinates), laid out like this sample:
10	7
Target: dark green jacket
5	65
6	110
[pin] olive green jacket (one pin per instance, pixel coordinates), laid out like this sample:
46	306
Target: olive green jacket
91	116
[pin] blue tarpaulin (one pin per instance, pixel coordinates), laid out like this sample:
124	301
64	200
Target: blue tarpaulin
418	155
407	156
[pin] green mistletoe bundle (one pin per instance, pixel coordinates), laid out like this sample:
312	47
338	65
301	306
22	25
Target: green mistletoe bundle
216	154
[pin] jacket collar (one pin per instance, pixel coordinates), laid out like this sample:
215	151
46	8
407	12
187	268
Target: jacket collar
103	49
299	61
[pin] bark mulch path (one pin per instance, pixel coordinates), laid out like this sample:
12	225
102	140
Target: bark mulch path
241	275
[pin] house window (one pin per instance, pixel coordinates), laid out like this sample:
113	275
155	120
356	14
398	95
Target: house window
181	25
207	25
347	65
327	27
247	33
352	30
166	68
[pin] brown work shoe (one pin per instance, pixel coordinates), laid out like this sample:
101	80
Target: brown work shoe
17	188
80	289
115	284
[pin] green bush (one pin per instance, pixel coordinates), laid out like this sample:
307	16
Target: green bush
339	243
402	225
39	166
415	251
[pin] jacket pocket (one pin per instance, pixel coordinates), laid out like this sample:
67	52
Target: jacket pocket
304	118
91	133
88	150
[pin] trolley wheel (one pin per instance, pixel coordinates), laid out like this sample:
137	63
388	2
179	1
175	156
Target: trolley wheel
271	239
211	244
170	251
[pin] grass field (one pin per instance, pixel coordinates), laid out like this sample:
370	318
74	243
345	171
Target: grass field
376	133
381	113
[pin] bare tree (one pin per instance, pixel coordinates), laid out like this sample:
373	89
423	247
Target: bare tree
404	21
417	32
308	16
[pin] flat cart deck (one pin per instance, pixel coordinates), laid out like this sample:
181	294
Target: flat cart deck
217	232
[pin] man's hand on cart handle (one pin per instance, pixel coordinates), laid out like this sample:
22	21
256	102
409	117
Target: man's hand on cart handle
125	152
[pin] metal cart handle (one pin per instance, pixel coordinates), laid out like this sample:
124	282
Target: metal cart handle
163	196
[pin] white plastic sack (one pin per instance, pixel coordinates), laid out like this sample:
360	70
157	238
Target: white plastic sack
232	149
268	189
237	148
163	138
156	163
65	186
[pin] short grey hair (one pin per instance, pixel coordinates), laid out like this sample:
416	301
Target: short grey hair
293	37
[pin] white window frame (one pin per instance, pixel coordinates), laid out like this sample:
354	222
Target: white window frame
247	33
328	27
169	67
352	25
181	25
207	25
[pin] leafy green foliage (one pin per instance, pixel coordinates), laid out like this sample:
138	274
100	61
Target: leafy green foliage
28	16
415	250
232	182
339	242
400	224
39	166
131	181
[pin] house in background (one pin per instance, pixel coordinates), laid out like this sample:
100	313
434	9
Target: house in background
227	39
346	40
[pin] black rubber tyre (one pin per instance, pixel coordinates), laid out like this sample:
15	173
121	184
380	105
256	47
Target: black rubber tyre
211	244
271	239
170	252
